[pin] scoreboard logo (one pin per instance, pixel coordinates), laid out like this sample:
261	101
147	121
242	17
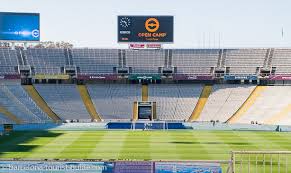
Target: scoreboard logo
145	29
35	33
152	25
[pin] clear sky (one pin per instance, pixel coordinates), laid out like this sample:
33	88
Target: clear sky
198	23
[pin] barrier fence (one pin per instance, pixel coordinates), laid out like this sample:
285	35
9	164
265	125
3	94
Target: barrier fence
261	161
149	125
239	162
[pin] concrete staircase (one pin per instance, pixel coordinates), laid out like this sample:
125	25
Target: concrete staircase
88	103
201	103
246	105
32	92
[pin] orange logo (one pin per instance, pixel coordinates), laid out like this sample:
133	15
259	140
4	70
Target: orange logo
152	25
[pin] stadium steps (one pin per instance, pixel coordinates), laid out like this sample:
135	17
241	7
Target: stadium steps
223	58
267	58
134	116
120	58
145	93
247	104
8	114
32	92
154	110
269	63
170	61
88	102
218	65
166	58
279	116
19	57
123	59
201	103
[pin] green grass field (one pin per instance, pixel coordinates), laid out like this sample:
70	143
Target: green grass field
138	145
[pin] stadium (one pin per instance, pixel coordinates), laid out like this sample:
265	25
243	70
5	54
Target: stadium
142	109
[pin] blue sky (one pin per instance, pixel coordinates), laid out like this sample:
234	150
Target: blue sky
198	23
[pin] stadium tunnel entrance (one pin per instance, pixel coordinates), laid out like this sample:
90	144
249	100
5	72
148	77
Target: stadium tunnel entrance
146	111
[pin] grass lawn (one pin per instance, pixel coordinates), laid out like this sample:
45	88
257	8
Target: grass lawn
138	145
148	145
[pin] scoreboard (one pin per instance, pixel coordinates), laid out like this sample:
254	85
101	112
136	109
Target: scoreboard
145	29
19	26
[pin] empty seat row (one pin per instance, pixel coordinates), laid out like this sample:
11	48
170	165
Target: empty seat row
145	61
14	98
95	61
64	100
282	61
5	120
224	101
46	61
115	101
272	103
8	61
244	61
175	101
105	61
195	61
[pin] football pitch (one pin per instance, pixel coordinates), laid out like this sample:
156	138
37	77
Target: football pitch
138	145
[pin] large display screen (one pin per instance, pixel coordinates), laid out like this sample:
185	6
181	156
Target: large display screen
144	112
144	29
19	26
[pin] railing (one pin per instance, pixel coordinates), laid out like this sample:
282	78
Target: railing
261	161
240	162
